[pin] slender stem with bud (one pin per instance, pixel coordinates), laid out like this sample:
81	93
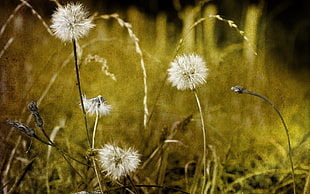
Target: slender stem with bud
79	87
241	90
204	136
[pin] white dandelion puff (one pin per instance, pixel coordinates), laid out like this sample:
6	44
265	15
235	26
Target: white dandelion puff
117	162
97	105
71	22
187	71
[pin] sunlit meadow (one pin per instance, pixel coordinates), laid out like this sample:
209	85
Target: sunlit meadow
135	127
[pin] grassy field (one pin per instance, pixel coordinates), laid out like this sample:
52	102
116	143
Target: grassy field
247	148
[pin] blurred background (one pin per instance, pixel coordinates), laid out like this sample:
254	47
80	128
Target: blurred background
246	132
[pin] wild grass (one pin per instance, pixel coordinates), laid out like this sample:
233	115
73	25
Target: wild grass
246	148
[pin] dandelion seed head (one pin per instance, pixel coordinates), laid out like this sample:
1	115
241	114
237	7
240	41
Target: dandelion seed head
71	22
97	105
118	162
187	71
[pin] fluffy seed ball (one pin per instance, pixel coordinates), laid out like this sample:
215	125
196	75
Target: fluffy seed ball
117	162
187	71
71	22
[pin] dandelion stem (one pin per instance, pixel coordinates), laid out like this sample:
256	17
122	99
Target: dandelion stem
95	129
93	146
204	136
240	90
79	87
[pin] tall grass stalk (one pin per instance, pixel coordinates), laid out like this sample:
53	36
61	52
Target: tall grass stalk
182	39
9	163
241	90
35	13
132	35
4	26
232	24
6	46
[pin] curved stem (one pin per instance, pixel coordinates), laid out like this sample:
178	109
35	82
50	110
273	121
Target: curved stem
204	137
286	131
79	87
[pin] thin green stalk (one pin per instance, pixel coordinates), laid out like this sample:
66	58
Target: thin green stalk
204	137
79	87
241	90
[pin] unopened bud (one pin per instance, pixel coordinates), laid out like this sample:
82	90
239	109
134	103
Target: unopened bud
32	106
238	89
23	128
